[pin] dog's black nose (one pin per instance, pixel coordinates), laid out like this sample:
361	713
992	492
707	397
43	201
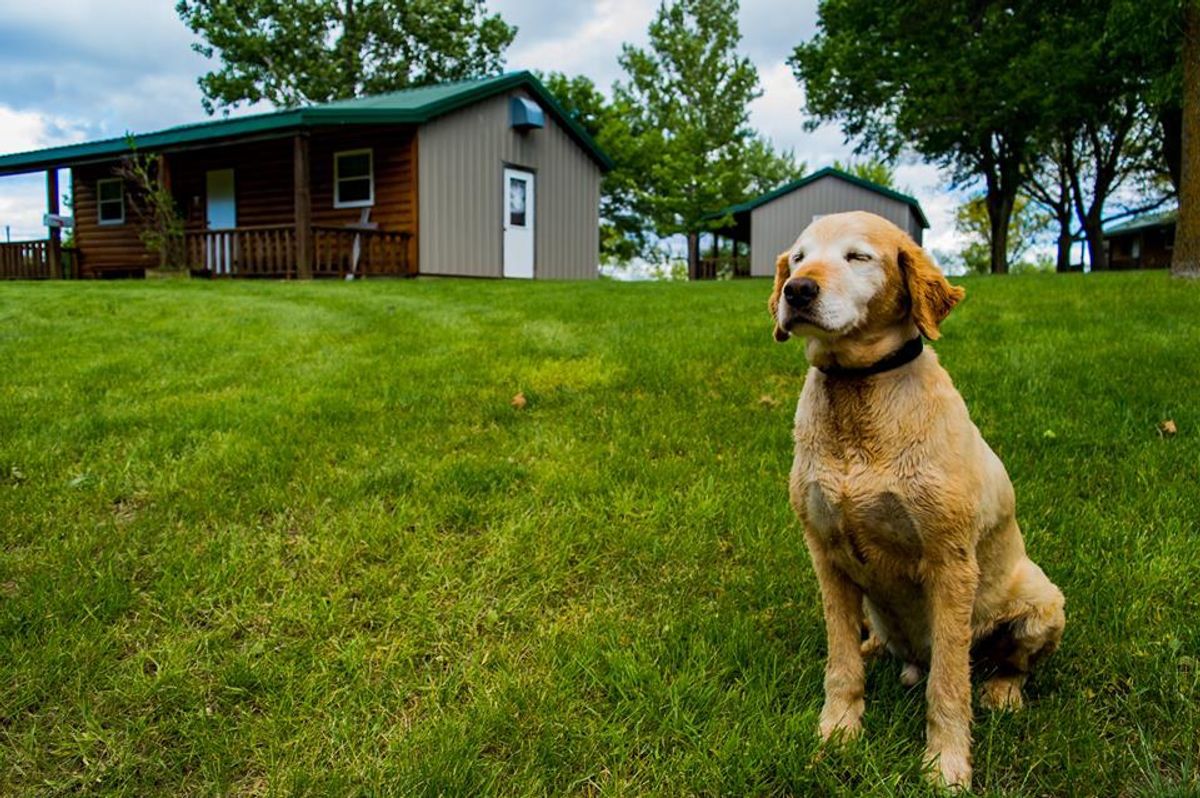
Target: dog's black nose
800	293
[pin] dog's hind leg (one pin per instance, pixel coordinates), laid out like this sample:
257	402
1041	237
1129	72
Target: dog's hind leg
1032	630
911	674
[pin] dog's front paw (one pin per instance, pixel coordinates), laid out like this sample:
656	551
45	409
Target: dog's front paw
949	769
841	720
1001	694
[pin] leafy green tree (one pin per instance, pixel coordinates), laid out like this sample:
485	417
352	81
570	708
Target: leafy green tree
625	229
1097	120
689	93
1146	37
876	170
291	53
964	90
1048	184
1159	41
766	168
1026	225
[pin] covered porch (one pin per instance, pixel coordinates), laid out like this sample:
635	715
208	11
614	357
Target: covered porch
40	258
722	253
270	206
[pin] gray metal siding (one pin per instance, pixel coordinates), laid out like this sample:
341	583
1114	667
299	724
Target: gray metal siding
461	159
775	226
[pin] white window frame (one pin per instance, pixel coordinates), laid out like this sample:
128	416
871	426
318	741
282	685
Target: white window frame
337	178
99	217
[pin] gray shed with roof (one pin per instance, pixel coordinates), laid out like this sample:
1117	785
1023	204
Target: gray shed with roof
770	222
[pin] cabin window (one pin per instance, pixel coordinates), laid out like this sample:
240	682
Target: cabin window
353	179
110	201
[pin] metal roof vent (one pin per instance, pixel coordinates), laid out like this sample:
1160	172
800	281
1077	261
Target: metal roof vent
526	114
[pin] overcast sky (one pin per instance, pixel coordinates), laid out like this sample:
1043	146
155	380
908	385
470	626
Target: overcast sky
98	69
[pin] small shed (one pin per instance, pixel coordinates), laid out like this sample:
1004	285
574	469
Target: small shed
761	228
1144	242
482	178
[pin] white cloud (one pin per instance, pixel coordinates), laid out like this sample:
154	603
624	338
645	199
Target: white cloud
591	47
22	203
32	130
23	197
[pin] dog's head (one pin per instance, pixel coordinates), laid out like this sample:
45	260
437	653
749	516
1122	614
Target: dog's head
853	273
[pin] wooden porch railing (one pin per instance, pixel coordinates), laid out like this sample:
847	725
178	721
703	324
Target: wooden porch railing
339	251
270	251
262	251
24	260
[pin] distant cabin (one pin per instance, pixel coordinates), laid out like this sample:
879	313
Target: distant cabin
1144	242
481	178
757	230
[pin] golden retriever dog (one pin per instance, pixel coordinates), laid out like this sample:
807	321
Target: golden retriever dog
908	514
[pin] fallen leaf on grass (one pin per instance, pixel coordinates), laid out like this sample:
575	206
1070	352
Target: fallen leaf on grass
766	400
1167	428
519	401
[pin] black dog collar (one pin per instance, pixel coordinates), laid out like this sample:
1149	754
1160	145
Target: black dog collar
905	354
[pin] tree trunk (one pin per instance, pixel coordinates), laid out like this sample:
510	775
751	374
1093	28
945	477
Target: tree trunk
1093	228
1185	261
693	255
1063	261
1000	208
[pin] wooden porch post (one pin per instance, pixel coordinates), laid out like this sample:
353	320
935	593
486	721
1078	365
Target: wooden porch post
54	250
303	203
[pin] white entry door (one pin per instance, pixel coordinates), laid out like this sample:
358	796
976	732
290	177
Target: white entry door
518	223
222	215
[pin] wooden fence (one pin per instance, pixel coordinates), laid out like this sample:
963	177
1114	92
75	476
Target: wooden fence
24	260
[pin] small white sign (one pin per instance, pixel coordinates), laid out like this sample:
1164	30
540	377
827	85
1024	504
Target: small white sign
57	220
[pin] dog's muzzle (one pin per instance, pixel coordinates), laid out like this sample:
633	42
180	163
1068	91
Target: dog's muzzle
799	300
799	294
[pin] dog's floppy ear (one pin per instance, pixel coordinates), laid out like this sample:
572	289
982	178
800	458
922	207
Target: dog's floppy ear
782	273
931	294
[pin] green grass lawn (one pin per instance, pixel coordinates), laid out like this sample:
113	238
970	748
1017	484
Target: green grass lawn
294	539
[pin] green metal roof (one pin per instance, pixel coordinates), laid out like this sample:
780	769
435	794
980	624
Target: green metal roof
828	171
411	106
1142	222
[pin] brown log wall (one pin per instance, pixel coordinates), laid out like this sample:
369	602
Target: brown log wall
263	192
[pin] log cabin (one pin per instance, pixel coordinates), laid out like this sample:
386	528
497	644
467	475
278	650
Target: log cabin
485	178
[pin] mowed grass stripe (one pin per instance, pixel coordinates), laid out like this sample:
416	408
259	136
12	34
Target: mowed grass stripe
264	538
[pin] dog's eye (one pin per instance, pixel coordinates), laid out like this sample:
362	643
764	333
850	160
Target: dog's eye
797	257
853	256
